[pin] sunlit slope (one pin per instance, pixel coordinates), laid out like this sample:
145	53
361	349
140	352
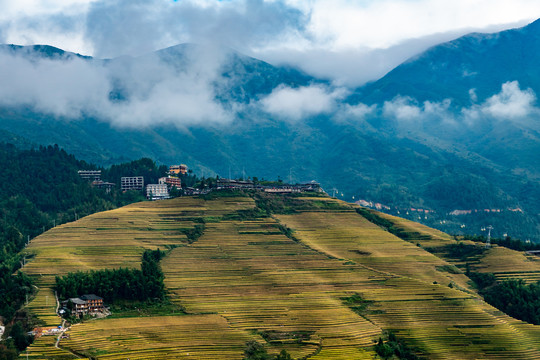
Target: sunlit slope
444	322
247	278
263	282
502	262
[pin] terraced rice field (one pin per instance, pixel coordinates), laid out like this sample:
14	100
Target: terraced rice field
167	337
44	348
502	262
507	264
262	281
245	279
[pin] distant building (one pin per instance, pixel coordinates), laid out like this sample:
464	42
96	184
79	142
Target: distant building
108	186
132	183
78	307
223	183
176	170
86	304
171	182
90	174
157	191
282	189
94	303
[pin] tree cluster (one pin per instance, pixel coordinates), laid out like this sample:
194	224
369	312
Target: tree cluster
516	298
507	242
117	284
394	349
257	351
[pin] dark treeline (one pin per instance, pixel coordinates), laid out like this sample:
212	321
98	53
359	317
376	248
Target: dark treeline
507	242
513	297
118	284
394	349
516	299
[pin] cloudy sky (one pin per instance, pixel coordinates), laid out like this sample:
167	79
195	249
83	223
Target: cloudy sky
348	41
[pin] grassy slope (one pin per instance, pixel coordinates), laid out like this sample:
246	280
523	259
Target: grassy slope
245	278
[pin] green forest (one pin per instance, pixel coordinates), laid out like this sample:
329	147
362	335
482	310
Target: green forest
118	284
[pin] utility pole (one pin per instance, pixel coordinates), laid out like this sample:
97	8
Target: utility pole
290	176
488	241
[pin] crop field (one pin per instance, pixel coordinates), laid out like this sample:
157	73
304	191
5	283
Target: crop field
506	264
442	321
247	278
263	282
43	348
166	337
502	262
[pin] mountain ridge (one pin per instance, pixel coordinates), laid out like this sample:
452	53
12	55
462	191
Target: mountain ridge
375	156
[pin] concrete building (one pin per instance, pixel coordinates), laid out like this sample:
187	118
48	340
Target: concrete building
171	181
157	191
103	185
132	183
176	170
90	174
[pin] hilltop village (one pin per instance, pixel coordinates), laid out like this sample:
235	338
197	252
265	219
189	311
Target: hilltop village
172	184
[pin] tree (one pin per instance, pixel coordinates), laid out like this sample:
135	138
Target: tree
284	355
255	351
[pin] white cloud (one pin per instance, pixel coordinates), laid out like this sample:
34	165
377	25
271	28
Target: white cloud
63	88
510	103
383	23
297	103
402	108
350	42
360	110
405	108
153	92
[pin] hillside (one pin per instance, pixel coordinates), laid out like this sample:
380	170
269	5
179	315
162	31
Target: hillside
316	279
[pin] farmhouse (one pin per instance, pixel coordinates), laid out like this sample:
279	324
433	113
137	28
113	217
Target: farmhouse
86	304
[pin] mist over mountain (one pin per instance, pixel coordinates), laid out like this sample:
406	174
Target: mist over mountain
456	127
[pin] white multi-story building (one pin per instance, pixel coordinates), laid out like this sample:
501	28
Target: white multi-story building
157	191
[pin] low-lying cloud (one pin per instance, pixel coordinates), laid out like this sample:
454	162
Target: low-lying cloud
510	104
298	103
130	93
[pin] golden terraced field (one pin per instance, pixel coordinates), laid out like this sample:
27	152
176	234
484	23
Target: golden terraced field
502	262
245	279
